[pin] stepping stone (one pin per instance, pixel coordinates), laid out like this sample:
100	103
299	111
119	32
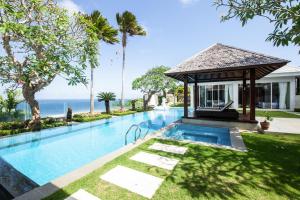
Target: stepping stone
133	180
155	160
168	148
82	195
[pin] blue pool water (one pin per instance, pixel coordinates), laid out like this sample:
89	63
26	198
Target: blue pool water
197	133
49	154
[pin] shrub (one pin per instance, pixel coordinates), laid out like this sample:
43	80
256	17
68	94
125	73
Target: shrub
122	113
86	117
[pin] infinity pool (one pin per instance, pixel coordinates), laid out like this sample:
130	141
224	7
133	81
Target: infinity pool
197	133
46	155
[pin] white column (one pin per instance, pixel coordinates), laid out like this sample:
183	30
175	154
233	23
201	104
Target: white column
235	88
292	94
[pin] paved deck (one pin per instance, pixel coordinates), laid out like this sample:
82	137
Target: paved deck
284	125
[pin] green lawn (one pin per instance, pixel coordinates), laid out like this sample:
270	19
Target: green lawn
270	170
274	114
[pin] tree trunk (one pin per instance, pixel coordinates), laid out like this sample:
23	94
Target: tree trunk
123	68
29	96
92	92
146	101
107	107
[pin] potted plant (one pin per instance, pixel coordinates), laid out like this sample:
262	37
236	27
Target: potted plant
266	123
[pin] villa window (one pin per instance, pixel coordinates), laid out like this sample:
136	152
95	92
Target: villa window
214	95
269	95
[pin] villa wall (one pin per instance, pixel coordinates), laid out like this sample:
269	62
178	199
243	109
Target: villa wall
294	102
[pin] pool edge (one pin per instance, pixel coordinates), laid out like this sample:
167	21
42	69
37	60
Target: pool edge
53	186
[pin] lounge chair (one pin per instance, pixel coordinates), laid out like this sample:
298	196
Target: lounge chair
220	113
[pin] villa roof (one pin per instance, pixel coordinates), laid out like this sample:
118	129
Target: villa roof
225	63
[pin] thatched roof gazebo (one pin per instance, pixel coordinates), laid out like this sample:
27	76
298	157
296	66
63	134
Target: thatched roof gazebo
225	63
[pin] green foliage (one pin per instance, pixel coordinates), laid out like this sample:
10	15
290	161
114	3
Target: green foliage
122	113
284	15
48	43
2	104
268	116
128	24
98	29
41	41
12	100
89	117
274	114
106	96
177	105
10	128
154	81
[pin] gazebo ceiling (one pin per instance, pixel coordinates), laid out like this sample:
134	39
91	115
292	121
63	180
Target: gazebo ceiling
225	63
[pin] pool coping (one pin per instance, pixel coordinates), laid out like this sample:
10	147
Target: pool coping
237	143
53	186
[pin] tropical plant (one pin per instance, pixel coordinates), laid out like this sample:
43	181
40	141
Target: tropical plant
154	81
268	116
106	97
99	29
284	15
128	26
12	100
2	103
133	104
40	41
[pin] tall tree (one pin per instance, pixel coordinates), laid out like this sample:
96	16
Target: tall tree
39	42
128	26
99	30
154	81
283	14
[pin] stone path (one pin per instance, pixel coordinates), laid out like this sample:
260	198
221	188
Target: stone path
168	148
155	160
140	182
133	180
82	195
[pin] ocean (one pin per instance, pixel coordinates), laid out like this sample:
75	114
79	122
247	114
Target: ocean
58	107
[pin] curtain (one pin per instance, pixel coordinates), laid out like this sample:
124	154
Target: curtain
282	95
226	94
230	92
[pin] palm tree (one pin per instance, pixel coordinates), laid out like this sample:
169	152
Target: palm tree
128	26
106	97
104	32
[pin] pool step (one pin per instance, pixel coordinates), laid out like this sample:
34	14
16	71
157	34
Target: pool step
155	160
14	182
168	148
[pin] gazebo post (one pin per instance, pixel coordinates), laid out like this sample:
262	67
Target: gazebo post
185	95
252	94
244	93
196	94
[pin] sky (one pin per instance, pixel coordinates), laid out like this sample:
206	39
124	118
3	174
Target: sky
176	30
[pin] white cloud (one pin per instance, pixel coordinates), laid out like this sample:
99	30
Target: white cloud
70	6
187	2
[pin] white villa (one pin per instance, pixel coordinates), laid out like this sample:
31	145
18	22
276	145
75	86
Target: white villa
278	90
